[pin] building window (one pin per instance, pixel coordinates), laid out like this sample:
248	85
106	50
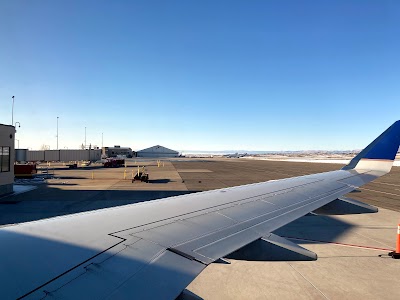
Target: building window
4	159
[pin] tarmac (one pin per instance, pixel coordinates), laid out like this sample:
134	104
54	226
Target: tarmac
352	249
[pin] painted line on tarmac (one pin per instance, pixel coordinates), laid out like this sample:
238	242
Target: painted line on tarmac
387	183
339	244
314	286
386	193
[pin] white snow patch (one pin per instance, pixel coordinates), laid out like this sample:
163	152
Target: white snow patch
311	160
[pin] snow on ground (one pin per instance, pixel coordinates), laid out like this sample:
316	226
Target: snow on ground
311	160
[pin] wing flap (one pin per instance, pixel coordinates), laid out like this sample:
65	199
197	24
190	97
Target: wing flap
180	231
111	274
164	278
39	252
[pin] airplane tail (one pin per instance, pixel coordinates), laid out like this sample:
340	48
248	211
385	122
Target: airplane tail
380	154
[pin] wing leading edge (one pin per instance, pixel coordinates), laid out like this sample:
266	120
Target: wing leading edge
155	249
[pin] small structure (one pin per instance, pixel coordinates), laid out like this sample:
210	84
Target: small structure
157	151
7	140
116	151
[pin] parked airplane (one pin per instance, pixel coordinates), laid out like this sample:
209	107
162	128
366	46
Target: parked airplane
235	155
153	250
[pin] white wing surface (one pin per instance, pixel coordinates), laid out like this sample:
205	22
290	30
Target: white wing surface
153	250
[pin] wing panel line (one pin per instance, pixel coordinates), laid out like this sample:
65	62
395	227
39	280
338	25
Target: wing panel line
272	193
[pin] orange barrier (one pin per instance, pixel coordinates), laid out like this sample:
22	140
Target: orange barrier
398	239
396	253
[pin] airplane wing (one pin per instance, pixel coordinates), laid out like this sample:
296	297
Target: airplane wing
153	250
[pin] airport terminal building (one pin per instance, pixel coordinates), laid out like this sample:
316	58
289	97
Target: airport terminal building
7	137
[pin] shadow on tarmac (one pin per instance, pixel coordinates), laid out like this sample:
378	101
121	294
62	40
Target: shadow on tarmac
69	177
316	228
62	183
159	180
50	201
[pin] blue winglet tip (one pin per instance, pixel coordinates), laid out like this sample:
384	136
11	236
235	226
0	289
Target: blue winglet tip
384	147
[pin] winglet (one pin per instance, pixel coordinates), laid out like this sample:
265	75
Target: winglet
380	154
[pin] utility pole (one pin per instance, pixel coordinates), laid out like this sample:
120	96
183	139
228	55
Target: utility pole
85	137
12	112
57	133
15	126
101	140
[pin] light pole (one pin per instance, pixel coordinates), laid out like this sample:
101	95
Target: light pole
101	140
12	112
57	133
15	125
85	137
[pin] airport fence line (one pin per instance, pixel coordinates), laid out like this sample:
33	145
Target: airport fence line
63	155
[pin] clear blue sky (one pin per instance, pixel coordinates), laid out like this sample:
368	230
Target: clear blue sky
201	75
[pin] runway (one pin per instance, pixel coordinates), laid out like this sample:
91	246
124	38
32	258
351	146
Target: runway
383	192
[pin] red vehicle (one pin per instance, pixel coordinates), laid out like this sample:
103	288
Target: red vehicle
25	170
114	163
